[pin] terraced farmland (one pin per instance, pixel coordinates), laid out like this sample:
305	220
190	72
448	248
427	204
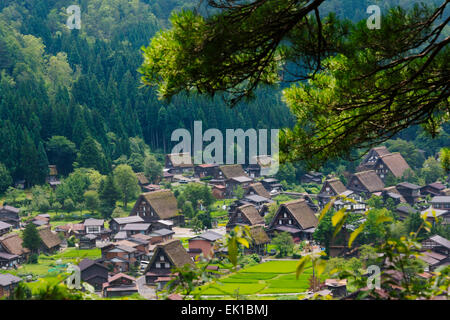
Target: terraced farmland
272	277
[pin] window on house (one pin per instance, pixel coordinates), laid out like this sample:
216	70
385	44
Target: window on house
280	222
290	221
161	258
167	265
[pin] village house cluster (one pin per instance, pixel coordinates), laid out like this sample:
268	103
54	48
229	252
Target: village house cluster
146	241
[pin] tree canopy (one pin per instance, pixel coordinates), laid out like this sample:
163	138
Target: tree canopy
354	87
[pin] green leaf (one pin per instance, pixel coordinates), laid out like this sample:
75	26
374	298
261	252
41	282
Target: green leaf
337	217
427	223
355	234
382	218
339	221
301	265
233	251
326	209
243	241
320	267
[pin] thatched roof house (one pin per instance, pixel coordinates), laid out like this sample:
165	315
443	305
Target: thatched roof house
245	215
232	171
259	235
257	188
371	158
295	217
393	162
365	182
50	239
13	244
157	205
142	179
167	255
179	160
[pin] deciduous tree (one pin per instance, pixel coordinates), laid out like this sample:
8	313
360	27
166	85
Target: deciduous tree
127	182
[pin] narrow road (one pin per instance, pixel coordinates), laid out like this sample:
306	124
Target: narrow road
144	290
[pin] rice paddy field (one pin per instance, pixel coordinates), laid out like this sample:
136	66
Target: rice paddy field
50	266
53	267
267	279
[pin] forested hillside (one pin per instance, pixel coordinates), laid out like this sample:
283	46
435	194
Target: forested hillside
61	82
83	84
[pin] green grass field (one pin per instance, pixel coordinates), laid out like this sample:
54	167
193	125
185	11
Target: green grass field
272	277
50	266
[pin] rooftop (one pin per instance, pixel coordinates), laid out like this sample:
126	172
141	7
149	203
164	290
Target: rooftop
440	199
161	232
136	227
7	279
129	219
93	222
208	235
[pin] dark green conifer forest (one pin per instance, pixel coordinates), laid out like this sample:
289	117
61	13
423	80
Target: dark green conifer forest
75	96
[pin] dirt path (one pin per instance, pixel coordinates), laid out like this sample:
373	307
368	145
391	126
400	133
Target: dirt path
145	291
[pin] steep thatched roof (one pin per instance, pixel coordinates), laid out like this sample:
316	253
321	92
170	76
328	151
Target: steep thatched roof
395	163
301	212
163	202
259	235
250	212
12	243
370	180
381	151
336	185
233	170
142	178
175	252
259	189
182	160
49	238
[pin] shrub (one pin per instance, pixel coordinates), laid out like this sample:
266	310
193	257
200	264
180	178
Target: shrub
69	205
296	255
33	259
71	242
